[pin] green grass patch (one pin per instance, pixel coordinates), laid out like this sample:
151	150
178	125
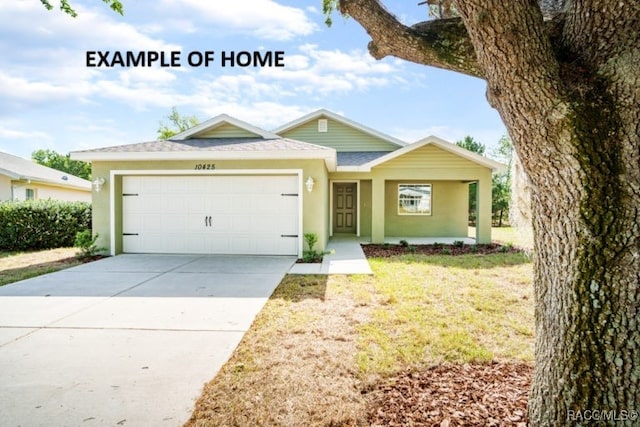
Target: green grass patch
459	309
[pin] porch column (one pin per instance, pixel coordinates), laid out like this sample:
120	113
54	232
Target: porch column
483	214
377	210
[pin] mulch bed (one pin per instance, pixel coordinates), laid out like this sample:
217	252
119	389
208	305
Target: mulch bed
387	250
452	395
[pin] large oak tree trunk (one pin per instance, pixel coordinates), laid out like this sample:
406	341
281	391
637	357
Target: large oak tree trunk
568	91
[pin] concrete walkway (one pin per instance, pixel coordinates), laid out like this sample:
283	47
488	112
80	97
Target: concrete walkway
347	257
128	340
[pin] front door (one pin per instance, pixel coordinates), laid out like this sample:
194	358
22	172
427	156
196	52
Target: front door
344	207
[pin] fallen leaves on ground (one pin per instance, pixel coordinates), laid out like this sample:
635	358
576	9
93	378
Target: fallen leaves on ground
450	395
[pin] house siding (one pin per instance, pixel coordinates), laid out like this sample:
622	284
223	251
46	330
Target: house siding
448	217
314	213
365	207
43	191
5	188
339	137
226	130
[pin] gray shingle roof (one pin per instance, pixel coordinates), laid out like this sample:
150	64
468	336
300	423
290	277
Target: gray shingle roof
19	168
358	158
212	144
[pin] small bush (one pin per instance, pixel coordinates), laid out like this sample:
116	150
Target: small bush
311	255
506	248
411	249
404	243
86	243
446	251
311	239
42	224
458	243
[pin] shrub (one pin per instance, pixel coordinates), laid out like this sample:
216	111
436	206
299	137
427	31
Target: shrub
404	243
311	239
42	224
311	255
458	243
86	243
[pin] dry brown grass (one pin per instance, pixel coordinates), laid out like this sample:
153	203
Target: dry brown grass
16	266
319	350
295	363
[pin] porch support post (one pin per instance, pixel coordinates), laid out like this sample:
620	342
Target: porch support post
483	214
377	210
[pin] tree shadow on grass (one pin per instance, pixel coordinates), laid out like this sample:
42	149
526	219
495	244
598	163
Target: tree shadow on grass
297	288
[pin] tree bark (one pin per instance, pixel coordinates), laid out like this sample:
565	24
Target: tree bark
568	91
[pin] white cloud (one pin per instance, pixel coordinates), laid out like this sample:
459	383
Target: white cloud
317	71
47	64
262	18
6	133
93	28
24	92
267	115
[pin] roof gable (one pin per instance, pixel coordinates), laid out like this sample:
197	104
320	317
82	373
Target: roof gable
432	152
342	134
223	126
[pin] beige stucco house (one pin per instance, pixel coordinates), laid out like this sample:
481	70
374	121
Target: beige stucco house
22	179
226	186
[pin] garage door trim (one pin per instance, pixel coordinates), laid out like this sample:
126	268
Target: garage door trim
191	172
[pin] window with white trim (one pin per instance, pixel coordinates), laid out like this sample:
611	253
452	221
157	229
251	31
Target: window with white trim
414	199
29	194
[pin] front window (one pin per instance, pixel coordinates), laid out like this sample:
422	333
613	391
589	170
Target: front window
414	199
29	194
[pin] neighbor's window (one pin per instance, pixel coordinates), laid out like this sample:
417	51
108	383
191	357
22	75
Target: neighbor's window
29	194
414	199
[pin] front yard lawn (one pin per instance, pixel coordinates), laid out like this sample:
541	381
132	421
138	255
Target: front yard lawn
428	340
16	266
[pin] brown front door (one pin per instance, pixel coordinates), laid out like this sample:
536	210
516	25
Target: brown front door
344	208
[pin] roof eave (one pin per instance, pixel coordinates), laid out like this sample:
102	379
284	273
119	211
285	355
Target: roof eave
363	168
199	155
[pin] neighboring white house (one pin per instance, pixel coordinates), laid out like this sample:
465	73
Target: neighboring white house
22	179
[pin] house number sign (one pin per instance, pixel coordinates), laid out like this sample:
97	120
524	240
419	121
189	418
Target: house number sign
205	166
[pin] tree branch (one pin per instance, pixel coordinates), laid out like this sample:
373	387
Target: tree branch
442	43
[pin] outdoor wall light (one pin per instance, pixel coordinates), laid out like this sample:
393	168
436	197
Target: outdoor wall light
98	183
310	183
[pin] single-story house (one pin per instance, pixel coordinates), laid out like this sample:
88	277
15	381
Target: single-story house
22	179
228	187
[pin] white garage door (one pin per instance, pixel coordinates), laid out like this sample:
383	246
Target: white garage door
210	214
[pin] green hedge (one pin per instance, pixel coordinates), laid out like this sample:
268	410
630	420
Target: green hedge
42	224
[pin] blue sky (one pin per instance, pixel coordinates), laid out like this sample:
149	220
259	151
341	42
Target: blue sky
49	98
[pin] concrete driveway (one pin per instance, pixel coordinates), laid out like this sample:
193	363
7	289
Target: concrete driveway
125	341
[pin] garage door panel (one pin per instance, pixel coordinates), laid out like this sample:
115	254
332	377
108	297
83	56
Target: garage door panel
217	203
211	214
175	223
